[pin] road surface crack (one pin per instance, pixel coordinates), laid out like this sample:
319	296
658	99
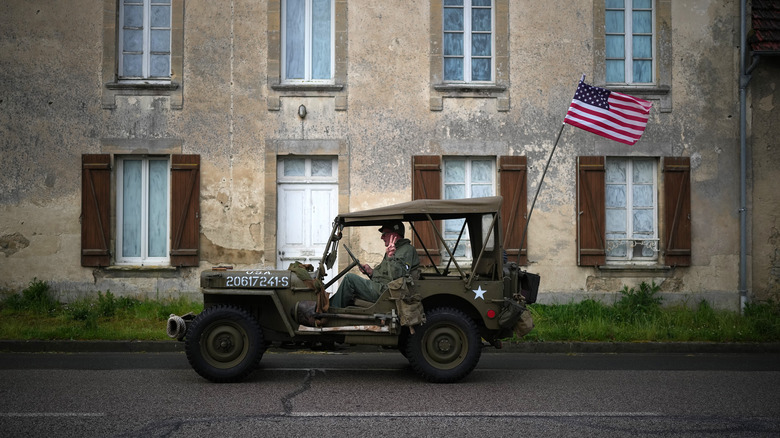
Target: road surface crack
287	400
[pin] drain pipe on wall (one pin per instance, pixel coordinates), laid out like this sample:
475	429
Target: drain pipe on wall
744	79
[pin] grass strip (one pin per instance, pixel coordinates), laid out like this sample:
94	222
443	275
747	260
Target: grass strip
638	316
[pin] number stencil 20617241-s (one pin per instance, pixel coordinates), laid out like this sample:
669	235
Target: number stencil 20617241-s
257	279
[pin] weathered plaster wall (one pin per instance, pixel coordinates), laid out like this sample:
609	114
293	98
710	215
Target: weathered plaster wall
48	118
765	207
50	114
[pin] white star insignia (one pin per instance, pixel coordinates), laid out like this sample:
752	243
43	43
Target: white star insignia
479	293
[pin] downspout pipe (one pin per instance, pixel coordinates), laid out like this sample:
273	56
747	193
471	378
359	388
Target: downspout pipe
744	79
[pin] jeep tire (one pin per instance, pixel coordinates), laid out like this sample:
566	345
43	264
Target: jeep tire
224	344
446	348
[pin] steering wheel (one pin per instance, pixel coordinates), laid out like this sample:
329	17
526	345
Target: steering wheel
355	260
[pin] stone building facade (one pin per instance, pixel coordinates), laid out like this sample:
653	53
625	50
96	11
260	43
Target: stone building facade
145	141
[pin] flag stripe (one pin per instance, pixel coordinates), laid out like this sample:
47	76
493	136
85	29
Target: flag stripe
604	124
622	118
608	133
586	112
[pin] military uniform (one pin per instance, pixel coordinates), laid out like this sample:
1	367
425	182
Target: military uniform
354	286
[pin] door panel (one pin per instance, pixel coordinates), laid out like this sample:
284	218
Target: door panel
306	212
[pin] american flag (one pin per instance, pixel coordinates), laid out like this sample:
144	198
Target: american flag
610	114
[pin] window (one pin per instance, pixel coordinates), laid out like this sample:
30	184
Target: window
142	210
157	210
469	51
631	210
468	40
630	41
145	39
307	169
307	51
465	178
143	50
618	213
307	40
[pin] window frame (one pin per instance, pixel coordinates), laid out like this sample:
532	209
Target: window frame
98	196
336	88
465	241
147	51
468	33
674	214
307	176
307	30
144	259
630	240
498	89
628	46
114	85
512	186
660	89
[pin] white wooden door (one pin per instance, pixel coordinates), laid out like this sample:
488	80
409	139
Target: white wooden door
305	219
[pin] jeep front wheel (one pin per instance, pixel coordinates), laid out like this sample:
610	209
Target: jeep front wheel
224	344
446	348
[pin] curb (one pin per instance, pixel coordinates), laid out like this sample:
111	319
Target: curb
91	346
644	347
11	346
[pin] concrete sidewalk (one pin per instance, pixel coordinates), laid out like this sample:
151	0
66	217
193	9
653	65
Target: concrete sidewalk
11	346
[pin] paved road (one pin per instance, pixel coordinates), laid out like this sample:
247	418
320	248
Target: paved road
306	394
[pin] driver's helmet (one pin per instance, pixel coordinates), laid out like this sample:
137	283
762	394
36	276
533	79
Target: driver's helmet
395	226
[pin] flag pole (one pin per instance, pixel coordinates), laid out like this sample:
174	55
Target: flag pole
539	187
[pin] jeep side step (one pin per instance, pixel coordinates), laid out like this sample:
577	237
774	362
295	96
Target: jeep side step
346	328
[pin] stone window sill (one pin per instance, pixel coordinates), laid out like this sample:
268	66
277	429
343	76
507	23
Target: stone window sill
469	88
308	87
160	86
640	90
660	93
132	268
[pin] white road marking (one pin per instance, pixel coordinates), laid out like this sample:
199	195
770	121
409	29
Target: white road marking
475	414
51	414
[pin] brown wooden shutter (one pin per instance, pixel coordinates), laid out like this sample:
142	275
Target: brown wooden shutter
677	210
185	209
95	209
426	184
591	211
514	190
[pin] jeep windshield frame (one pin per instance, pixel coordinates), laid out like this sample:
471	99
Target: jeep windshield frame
482	219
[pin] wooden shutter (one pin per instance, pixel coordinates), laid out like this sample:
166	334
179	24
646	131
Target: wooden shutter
95	209
514	190
677	210
426	184
591	211
185	209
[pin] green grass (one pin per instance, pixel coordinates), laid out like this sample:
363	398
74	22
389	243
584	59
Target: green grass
637	317
640	317
34	315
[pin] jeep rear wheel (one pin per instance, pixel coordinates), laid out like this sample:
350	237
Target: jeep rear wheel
446	348
224	344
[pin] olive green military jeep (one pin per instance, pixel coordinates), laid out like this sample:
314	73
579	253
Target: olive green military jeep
439	317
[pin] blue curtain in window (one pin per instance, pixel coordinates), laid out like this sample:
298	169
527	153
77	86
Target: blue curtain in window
320	39
158	208
295	39
131	208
